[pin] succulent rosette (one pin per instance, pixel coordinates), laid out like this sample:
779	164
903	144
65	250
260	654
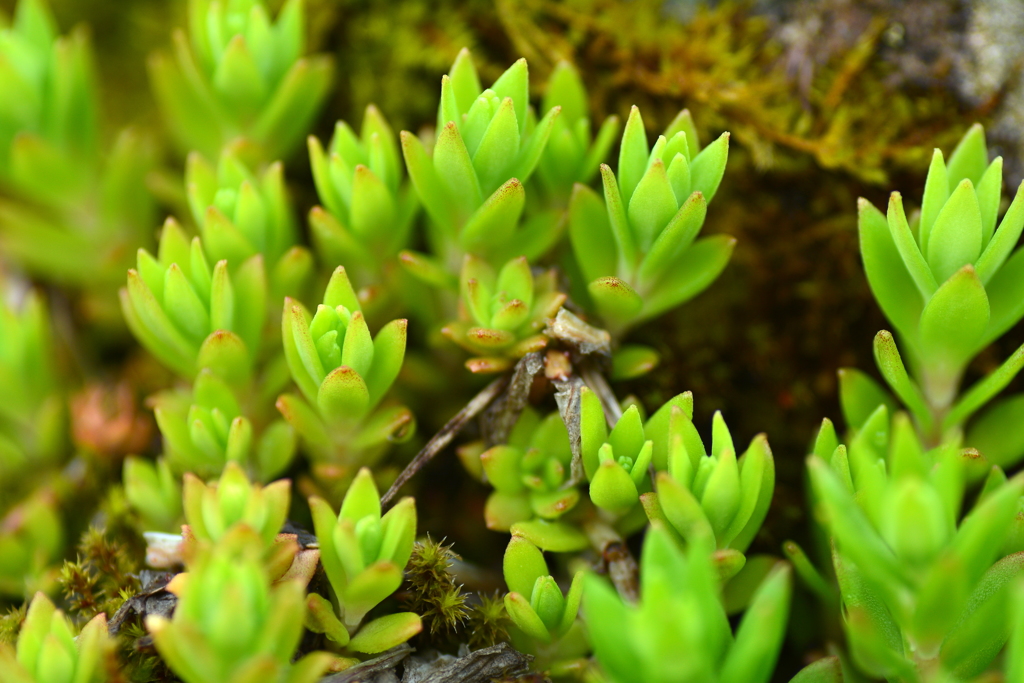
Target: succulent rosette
471	185
530	474
239	79
638	249
364	554
190	315
506	310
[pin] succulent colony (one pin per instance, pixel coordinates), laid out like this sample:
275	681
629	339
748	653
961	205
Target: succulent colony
493	263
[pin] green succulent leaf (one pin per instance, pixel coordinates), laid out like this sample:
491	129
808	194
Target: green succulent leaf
954	320
891	284
386	632
956	236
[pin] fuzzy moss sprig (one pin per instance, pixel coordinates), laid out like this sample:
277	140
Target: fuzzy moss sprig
102	571
487	623
431	588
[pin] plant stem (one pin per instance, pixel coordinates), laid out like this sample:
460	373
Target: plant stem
622	566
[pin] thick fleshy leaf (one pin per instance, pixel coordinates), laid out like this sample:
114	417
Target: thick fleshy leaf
534	146
980	536
300	351
985	389
905	243
373	208
985	624
306	422
150	323
503	510
183	306
680	508
388	355
501	465
498	147
616	208
876	641
612	488
936	192
757	481
652	206
398	530
492	225
1004	240
343	396
250	287
357	348
524	616
455	170
969	159
386	632
721	495
617	302
956	237
605	614
593	429
891	284
465	82
565	89
430	188
522	565
759	637
1006	297
428	270
852	529
590	233
954	320
678	234
708	167
514	83
683	123
634	360
369	588
558	537
889	362
860	395
990	190
633	154
695	269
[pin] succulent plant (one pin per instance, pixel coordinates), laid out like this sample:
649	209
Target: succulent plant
67	186
923	588
32	413
241	214
49	651
471	186
679	630
637	249
368	207
946	279
506	312
343	372
712	493
529	473
230	624
573	154
204	429
185	312
238	79
535	603
363	555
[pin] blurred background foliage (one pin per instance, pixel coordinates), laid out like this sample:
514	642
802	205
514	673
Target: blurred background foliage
826	101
